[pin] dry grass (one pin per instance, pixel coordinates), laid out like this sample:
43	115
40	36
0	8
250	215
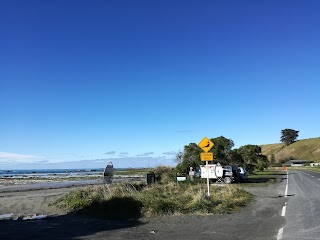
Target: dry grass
125	201
306	149
269	149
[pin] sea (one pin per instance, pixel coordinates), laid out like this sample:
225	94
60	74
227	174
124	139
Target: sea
51	173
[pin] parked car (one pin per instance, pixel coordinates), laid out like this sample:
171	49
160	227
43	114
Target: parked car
228	175
243	173
235	174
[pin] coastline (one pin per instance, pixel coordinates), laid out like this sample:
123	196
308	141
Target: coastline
35	197
7	185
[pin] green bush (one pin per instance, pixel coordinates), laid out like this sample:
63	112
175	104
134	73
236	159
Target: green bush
75	200
164	174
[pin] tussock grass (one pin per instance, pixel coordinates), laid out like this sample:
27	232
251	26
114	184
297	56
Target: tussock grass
269	149
128	201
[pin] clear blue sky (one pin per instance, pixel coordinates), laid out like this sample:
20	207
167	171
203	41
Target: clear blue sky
135	81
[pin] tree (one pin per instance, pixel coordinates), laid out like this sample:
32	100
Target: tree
236	158
190	157
272	160
179	157
262	162
221	150
289	136
252	157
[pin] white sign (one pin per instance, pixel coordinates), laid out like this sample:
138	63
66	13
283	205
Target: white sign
181	179
213	170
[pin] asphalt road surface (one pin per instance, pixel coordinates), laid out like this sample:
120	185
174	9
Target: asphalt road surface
302	207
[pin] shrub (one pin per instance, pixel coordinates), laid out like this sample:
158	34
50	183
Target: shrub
127	201
75	200
164	174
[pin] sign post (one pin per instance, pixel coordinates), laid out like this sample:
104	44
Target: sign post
206	145
108	174
208	184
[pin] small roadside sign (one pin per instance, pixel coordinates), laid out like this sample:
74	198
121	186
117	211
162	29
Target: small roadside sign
206	144
206	156
108	173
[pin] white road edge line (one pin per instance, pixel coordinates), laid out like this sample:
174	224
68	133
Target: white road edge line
286	191
284	211
280	232
284	208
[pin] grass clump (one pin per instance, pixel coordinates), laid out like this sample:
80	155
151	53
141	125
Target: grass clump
128	201
75	200
230	198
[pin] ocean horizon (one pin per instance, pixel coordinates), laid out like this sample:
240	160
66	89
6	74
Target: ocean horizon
17	173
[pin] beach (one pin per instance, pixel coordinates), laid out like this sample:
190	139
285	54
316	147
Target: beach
23	203
27	197
27	193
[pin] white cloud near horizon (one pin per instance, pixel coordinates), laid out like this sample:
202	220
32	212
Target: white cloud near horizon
7	157
24	161
110	152
171	153
145	154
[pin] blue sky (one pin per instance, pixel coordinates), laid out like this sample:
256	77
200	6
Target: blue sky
135	81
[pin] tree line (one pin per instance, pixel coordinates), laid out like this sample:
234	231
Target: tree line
249	155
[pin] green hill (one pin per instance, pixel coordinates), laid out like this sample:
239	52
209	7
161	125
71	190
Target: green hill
305	149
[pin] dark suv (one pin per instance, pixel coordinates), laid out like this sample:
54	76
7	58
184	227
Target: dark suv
234	174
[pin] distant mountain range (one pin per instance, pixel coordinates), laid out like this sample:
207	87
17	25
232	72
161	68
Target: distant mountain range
305	149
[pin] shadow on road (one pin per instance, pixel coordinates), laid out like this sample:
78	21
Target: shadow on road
70	226
265	179
279	196
124	211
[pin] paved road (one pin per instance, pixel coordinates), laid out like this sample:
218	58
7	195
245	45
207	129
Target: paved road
302	209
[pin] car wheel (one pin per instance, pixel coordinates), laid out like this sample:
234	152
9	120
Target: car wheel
227	180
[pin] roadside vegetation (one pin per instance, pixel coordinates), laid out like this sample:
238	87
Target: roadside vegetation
249	156
133	201
264	178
